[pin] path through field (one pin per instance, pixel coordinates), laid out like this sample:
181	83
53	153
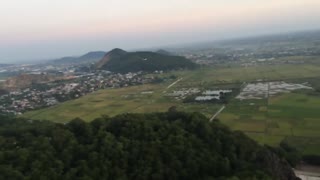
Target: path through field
174	83
217	113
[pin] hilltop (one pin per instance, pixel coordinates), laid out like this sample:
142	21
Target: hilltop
121	61
113	54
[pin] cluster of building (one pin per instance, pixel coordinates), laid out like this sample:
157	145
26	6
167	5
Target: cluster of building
49	94
196	95
248	56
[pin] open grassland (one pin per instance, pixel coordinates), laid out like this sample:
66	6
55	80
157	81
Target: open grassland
293	116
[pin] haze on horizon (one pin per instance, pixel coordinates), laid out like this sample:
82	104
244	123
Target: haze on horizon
45	29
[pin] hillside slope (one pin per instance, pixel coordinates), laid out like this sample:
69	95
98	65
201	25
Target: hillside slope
171	145
121	61
113	54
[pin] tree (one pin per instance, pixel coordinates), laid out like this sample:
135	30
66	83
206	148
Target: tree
170	145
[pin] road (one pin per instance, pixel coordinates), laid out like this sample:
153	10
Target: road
307	175
217	113
174	83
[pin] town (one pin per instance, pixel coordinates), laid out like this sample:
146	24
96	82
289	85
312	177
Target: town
42	95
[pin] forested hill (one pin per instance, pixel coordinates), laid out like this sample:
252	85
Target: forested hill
121	61
172	145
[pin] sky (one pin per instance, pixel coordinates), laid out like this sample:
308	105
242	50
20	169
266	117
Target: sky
45	29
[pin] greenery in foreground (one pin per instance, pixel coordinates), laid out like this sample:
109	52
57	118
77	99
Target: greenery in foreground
171	145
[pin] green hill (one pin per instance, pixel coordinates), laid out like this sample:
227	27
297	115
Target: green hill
121	61
171	145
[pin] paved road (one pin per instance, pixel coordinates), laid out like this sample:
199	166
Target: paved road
217	113
307	175
174	83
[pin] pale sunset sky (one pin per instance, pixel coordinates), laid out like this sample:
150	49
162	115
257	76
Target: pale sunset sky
44	29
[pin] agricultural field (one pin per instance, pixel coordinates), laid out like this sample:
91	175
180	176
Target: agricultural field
136	99
211	76
106	102
294	116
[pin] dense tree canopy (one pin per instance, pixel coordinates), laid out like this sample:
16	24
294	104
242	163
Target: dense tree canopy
172	145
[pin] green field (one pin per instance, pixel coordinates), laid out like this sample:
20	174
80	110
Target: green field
116	101
106	102
235	74
291	116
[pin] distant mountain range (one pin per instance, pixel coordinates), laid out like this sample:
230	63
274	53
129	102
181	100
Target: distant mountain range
90	57
121	61
5	65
